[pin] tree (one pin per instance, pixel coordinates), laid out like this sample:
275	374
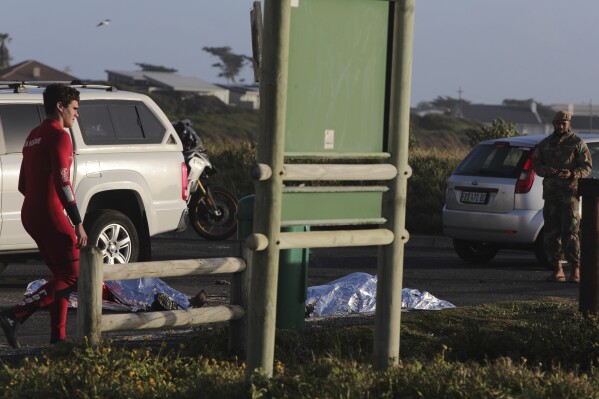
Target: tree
498	129
4	53
230	64
449	103
154	68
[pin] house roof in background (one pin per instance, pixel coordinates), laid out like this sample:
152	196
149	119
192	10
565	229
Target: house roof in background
169	80
180	83
241	88
25	71
130	74
485	113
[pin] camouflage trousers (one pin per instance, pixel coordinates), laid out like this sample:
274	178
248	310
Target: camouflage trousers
562	228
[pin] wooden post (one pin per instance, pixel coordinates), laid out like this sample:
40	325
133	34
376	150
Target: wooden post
390	262
271	138
589	251
89	296
240	283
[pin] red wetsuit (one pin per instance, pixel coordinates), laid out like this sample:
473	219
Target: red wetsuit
45	182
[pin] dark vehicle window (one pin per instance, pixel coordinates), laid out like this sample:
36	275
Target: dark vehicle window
594	150
96	125
126	122
16	122
153	129
494	160
119	122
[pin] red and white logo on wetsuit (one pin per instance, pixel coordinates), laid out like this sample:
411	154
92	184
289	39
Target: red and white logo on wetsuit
64	174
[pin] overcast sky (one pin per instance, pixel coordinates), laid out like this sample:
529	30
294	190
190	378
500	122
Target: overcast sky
490	49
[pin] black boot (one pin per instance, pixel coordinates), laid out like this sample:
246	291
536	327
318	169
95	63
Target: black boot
198	300
163	302
8	322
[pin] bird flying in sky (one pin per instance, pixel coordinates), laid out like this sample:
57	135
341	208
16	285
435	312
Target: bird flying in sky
103	22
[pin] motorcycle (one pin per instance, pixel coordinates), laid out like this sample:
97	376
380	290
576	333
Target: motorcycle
211	208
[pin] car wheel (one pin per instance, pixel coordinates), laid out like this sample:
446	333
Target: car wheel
475	252
115	236
540	253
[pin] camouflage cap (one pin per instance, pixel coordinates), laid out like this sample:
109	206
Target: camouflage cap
562	116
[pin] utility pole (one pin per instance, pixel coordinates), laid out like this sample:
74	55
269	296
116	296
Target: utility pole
459	102
591	116
4	53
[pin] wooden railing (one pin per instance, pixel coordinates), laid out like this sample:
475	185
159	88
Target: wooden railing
91	322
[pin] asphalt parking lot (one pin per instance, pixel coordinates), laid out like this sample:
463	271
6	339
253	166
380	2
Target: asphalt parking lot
429	265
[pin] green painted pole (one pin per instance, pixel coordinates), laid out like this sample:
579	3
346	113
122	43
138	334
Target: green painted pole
390	260
267	209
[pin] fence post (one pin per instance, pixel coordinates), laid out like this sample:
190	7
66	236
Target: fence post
271	136
589	253
89	295
240	296
390	262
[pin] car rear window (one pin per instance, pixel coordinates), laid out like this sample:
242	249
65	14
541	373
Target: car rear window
119	122
594	150
494	160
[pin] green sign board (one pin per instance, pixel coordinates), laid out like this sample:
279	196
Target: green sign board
337	76
328	207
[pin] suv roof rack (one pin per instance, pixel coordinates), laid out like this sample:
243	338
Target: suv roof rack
21	86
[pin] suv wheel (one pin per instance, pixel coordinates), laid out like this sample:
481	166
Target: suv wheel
115	236
540	253
474	252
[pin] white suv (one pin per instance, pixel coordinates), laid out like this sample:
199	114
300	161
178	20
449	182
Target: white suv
128	171
494	199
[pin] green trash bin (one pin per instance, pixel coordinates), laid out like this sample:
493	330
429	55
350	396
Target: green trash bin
293	270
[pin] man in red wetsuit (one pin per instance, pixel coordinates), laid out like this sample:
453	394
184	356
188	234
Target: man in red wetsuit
45	182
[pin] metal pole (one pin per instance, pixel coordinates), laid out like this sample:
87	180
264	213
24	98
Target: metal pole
267	210
390	262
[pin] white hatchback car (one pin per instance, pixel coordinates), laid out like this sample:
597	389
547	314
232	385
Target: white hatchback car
494	199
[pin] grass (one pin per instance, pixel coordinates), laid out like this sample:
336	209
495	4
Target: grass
529	349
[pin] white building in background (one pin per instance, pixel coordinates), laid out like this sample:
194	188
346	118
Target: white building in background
585	117
526	118
243	96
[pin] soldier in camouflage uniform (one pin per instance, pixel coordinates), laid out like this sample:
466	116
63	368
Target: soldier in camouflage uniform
562	158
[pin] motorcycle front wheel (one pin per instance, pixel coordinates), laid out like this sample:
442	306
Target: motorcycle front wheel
208	223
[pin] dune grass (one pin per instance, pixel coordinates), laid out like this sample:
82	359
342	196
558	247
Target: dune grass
527	349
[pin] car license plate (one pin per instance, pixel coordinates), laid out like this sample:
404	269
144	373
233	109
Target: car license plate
469	197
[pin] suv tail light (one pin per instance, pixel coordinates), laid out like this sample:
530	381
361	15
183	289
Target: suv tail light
184	181
527	176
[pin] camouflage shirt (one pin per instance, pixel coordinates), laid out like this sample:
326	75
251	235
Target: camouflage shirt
555	153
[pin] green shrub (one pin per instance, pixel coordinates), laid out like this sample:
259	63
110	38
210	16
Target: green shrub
533	349
426	188
233	160
498	129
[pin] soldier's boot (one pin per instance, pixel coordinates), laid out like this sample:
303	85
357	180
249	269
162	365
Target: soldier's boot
558	273
575	274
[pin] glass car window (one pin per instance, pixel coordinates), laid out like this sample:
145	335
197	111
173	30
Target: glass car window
494	160
594	150
119	122
154	131
127	125
16	122
95	124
